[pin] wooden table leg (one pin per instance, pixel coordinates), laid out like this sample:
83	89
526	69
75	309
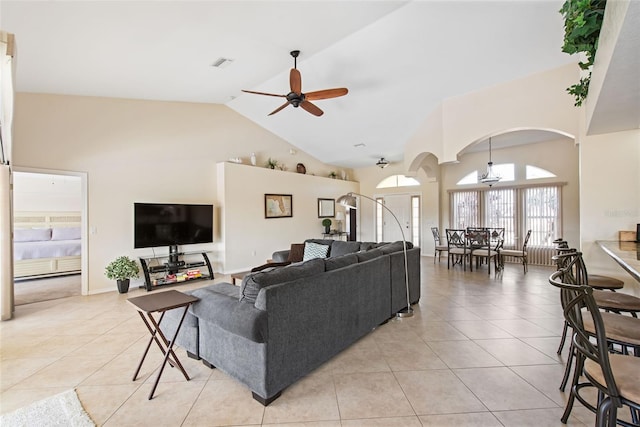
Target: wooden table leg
169	350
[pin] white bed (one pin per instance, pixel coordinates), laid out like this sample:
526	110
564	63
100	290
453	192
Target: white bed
46	243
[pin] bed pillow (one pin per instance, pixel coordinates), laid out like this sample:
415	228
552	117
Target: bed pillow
65	233
31	234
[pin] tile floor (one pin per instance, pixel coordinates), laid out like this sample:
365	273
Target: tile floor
480	351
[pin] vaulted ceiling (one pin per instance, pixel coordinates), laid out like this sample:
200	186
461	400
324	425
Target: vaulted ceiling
398	59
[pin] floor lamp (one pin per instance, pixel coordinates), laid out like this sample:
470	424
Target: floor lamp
349	201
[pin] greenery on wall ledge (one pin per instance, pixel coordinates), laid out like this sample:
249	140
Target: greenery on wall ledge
582	24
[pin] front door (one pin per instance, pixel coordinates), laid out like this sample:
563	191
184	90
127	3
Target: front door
400	205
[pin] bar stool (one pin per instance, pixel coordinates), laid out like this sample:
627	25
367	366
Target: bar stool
617	302
596	281
623	331
614	376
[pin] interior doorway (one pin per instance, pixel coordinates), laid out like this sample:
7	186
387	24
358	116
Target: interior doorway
50	248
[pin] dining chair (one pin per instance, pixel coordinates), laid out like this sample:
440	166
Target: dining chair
517	253
615	376
479	243
457	250
439	247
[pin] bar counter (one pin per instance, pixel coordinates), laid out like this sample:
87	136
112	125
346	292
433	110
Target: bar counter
627	254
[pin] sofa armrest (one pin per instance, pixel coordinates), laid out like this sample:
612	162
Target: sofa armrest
270	265
280	256
228	313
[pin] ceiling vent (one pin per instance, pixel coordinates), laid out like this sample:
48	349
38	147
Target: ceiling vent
222	62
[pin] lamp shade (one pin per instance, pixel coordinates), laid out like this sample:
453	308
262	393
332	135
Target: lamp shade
348	200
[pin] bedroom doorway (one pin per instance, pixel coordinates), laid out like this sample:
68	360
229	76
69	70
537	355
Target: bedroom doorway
49	235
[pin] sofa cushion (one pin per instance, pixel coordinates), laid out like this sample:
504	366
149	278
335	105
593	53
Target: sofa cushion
336	262
253	282
314	250
340	247
367	255
365	246
394	247
242	319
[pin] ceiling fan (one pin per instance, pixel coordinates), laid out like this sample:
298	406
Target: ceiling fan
299	99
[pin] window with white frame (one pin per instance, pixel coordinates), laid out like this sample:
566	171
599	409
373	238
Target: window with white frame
542	214
415	220
379	223
398	181
516	209
465	209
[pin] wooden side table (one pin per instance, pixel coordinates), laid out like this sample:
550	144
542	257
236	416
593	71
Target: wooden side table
161	302
238	276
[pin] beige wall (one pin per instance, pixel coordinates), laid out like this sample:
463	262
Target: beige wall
248	237
538	101
610	197
371	176
559	157
46	192
138	151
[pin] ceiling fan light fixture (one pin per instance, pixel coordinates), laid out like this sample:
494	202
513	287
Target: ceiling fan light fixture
490	177
382	163
297	98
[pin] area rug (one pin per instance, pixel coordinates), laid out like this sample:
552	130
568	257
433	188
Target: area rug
63	409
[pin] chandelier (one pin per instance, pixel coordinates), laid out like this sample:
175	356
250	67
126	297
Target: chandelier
490	177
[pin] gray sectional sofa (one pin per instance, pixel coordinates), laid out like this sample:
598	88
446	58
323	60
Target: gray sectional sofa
283	323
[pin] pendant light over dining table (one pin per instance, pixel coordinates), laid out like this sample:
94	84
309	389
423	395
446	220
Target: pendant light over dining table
490	177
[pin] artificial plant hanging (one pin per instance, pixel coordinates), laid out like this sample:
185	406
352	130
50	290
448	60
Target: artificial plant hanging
582	24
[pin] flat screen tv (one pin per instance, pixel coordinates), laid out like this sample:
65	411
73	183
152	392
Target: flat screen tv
171	224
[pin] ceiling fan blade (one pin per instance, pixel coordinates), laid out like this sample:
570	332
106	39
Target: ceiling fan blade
311	108
295	80
327	93
279	108
264	93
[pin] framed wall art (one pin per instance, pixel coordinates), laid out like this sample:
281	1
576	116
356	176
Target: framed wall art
326	208
278	205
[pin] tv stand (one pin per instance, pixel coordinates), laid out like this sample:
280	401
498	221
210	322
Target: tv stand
173	269
173	254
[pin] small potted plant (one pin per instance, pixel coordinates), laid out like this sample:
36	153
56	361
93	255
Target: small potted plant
333	175
122	269
327	225
272	163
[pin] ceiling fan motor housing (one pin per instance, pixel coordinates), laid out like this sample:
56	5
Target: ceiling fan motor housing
295	99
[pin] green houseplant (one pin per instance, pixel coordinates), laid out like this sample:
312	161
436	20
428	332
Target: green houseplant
122	269
272	163
582	23
327	225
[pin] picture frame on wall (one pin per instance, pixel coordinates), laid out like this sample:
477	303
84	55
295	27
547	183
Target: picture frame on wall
326	208
278	205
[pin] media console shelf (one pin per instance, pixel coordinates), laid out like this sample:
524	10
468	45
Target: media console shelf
172	269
